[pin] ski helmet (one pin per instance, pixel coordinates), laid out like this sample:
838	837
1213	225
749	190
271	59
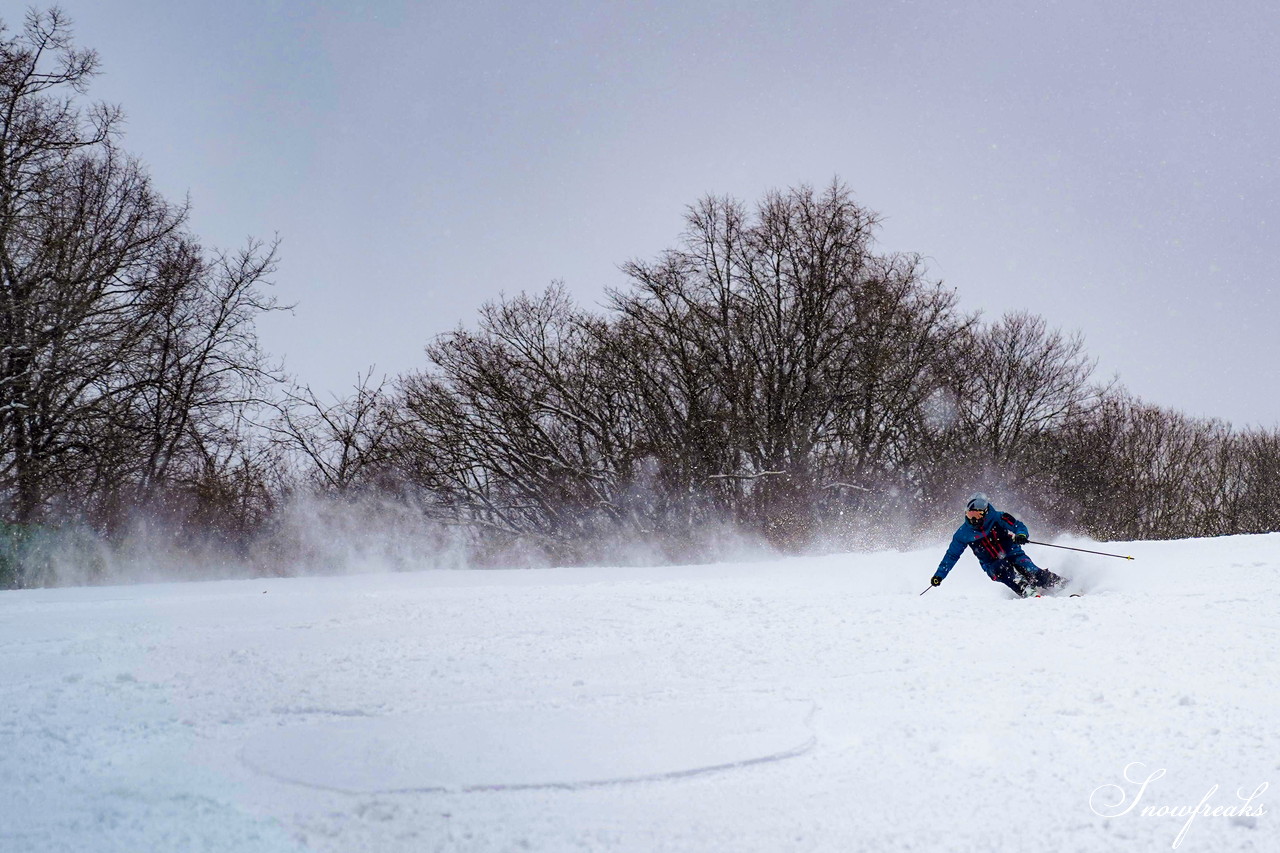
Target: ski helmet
979	504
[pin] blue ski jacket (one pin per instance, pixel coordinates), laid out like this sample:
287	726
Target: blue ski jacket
993	543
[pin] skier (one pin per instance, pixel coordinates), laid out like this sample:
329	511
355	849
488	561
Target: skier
996	538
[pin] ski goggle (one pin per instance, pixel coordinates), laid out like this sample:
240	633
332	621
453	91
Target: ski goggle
975	514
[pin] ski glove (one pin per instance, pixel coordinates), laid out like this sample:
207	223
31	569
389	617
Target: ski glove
1020	538
935	581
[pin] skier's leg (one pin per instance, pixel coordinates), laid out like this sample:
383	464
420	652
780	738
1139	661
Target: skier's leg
1041	578
1006	574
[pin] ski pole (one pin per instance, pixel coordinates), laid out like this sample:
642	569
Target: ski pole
1082	550
926	589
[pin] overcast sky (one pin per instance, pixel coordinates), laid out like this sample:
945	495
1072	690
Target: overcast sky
1113	166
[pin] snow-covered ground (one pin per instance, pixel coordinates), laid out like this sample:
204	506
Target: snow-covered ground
801	704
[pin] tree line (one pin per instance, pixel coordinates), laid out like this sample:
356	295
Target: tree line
774	378
128	359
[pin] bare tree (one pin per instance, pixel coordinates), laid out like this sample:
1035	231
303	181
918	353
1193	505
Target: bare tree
1252	503
342	445
1019	380
1133	470
197	372
128	356
79	222
790	358
516	430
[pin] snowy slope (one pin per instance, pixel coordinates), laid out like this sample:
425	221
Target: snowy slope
803	704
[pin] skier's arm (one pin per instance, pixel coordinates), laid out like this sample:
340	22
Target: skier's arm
953	554
1013	526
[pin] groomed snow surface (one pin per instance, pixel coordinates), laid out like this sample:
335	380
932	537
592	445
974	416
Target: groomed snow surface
802	704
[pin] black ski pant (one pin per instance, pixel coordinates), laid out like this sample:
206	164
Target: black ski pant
1020	574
